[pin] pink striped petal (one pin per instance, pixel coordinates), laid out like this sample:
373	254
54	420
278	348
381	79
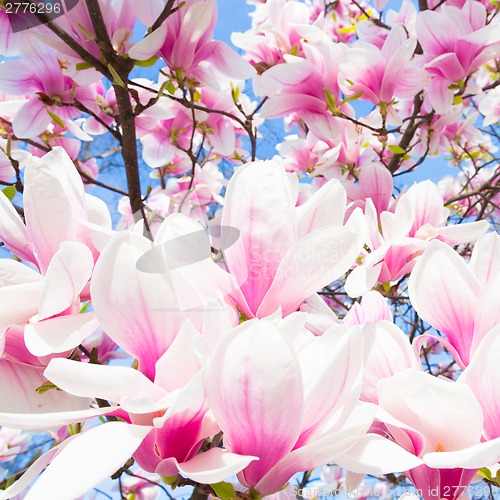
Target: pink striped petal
483	376
54	204
325	207
139	310
13	232
214	465
31	120
87	460
312	263
258	200
68	272
245	382
444	293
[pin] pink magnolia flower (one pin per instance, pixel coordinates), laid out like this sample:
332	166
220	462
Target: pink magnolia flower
315	422
119	18
172	409
382	75
455	42
163	143
277	264
189	46
12	442
435	426
372	308
458	299
56	209
273	32
305	86
482	375
43	78
401	234
171	282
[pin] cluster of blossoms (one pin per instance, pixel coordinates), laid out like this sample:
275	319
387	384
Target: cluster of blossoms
232	331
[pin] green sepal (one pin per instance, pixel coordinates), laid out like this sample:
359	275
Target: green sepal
225	491
9	192
147	62
397	150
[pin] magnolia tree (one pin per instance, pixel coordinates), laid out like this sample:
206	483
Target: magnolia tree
316	313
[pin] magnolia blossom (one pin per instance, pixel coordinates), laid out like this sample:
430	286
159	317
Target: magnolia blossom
400	234
437	424
452	54
315	423
458	299
279	265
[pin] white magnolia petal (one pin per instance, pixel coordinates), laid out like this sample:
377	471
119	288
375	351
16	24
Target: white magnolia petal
88	460
214	465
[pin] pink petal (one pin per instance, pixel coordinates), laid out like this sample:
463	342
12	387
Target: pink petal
245	381
20	396
227	61
31	120
374	454
462	233
258	200
87	460
485	258
312	263
412	397
58	334
376	183
325	207
54	204
149	45
319	452
115	383
18	303
473	457
148	316
440	96
180	362
13	232
214	466
483	376
387	351
68	272
444	293
43	421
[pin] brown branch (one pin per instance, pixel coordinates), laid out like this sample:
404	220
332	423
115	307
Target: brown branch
122	67
408	135
167	10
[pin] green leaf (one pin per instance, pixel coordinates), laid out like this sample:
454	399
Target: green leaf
170	87
169	479
86	31
330	99
457	100
352	98
397	150
10	192
46	386
57	119
147	62
116	77
485	472
83	65
223	490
